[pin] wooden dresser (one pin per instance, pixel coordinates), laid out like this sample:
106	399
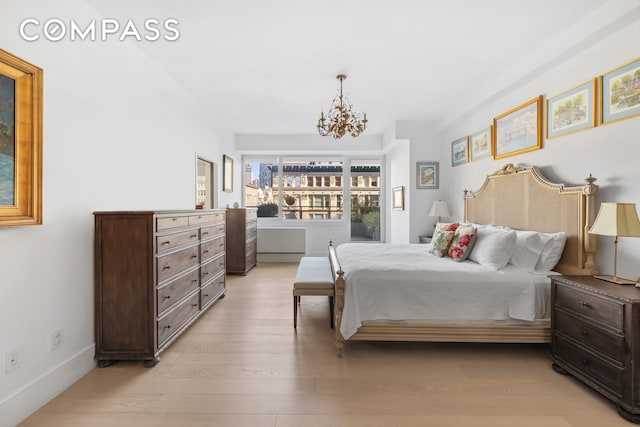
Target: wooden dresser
595	329
155	273
242	238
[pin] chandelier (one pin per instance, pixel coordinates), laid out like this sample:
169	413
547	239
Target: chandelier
341	118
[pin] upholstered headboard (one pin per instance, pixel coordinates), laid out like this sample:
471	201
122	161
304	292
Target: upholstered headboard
523	199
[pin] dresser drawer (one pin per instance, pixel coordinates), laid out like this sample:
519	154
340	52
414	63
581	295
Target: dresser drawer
600	309
597	369
251	215
212	218
591	336
250	260
170	323
163	223
214	230
174	263
169	241
211	248
174	291
212	290
250	246
212	268
252	233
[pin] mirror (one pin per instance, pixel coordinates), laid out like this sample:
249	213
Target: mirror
205	171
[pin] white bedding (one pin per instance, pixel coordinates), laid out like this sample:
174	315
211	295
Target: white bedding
405	282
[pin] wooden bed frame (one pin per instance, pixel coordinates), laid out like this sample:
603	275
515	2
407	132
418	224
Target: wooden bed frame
516	197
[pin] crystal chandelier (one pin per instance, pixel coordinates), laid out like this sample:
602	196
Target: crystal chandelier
341	118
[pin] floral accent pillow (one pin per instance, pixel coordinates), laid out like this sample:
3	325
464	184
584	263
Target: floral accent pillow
446	226
440	242
462	242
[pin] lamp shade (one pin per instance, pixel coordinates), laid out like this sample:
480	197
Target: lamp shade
617	219
439	208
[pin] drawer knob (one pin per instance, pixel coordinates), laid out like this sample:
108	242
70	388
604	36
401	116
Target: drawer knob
167	297
194	281
205	252
193	236
194	305
194	256
204	233
166	267
174	219
205	273
584	361
166	242
168	327
584	333
583	304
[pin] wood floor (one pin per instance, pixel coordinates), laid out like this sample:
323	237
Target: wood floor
243	364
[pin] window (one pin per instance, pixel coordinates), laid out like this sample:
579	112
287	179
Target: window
261	187
297	197
338	181
365	201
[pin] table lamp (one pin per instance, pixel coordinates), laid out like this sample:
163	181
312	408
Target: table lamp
616	219
439	209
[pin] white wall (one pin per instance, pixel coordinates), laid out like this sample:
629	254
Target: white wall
609	152
398	174
118	134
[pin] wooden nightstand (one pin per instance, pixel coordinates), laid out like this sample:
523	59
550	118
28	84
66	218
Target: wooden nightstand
595	336
425	239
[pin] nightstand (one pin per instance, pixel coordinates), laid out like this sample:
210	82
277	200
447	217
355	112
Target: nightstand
425	239
595	337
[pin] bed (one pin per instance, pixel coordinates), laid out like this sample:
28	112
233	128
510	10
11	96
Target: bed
509	305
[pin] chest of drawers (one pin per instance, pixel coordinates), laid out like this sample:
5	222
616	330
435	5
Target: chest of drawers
242	238
156	272
596	337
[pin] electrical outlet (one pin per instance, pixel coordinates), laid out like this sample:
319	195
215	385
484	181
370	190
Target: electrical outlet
55	339
12	360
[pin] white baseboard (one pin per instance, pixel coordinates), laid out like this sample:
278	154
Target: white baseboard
17	406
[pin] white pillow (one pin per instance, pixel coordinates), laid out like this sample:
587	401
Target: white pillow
493	247
529	247
552	251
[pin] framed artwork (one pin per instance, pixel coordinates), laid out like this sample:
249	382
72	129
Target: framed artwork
572	110
205	189
620	92
519	130
227	174
20	141
480	144
427	175
460	151
398	198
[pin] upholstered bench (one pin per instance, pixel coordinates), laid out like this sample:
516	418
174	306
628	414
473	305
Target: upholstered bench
313	277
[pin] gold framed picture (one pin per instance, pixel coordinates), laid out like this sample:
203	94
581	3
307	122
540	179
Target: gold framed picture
519	130
620	92
20	141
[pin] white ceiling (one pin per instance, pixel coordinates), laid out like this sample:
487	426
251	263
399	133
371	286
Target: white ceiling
269	66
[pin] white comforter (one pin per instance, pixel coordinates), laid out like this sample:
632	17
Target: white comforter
406	282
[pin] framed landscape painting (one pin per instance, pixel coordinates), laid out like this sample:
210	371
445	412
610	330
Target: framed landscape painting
20	142
519	130
572	110
480	144
427	175
620	90
459	151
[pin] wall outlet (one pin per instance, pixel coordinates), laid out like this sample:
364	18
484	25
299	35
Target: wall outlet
55	339
13	359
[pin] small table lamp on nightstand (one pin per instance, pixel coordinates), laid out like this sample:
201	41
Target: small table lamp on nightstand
439	209
616	219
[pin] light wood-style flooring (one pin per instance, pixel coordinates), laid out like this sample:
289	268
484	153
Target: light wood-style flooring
243	364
